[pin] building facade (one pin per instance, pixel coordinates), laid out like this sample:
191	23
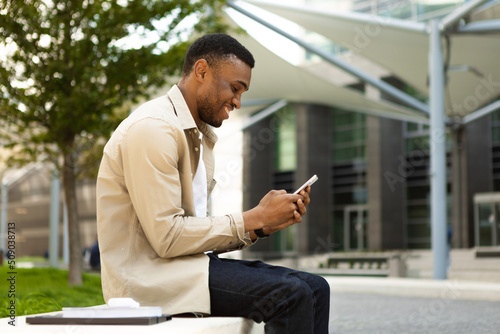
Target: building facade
374	185
373	189
28	195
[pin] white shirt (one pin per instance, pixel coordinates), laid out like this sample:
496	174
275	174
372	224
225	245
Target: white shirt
200	186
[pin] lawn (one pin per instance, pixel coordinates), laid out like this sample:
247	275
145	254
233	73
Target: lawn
39	290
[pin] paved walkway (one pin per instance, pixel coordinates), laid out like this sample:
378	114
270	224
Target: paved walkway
378	314
407	306
417	287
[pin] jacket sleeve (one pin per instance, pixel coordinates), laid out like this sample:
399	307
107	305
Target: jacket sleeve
155	154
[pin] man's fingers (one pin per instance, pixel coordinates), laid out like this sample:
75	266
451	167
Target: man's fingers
305	194
301	207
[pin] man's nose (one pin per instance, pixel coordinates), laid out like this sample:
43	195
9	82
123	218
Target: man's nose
236	101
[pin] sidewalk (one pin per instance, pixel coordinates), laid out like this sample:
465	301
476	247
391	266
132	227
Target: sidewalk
357	313
364	305
417	287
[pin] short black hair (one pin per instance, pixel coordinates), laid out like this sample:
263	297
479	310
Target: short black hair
215	48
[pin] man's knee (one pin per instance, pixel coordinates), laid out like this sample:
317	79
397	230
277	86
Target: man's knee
323	286
317	286
298	290
316	283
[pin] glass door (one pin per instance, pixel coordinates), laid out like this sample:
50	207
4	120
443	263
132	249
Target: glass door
487	222
355	232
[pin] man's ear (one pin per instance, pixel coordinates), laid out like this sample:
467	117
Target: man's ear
200	69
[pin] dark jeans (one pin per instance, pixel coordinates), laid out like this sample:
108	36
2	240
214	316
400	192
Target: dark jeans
288	301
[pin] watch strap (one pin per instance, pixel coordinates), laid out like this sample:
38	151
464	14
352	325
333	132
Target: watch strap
260	233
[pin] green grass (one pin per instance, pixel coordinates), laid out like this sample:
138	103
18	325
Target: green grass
40	290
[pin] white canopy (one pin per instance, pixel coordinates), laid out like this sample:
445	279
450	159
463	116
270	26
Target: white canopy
401	47
274	79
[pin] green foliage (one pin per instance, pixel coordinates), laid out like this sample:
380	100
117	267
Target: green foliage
68	69
40	290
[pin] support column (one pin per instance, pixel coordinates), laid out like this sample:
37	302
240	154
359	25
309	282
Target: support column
438	154
313	157
257	172
476	177
385	183
459	198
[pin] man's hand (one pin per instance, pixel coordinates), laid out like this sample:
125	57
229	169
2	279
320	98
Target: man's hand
276	211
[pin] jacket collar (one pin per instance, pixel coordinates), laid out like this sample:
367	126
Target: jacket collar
184	115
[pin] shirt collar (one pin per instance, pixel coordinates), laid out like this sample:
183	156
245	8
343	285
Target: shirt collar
184	115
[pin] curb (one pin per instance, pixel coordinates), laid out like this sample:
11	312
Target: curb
409	287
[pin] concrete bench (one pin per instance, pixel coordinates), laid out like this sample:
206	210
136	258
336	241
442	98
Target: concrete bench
487	252
364	265
208	325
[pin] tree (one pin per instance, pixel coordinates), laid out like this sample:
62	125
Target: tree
69	67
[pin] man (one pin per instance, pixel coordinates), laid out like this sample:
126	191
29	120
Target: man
157	244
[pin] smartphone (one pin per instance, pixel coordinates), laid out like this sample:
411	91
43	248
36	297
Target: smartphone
309	182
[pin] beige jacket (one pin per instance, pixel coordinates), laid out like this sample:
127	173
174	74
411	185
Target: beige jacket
152	245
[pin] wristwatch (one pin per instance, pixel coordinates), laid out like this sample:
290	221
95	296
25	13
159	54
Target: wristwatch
260	233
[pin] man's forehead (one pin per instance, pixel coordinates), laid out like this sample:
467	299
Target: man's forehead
237	70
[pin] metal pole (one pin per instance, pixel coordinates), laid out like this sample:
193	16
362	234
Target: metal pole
263	114
438	153
480	27
54	221
454	17
484	111
5	189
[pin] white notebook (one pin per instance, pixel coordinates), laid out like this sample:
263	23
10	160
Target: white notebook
116	308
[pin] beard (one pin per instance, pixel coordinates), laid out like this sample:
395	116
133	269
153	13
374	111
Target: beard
207	112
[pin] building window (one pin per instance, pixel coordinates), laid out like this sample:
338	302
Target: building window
416	169
349	135
285	158
418	230
285	163
349	178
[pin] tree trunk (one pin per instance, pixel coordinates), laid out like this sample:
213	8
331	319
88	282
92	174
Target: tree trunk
75	250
